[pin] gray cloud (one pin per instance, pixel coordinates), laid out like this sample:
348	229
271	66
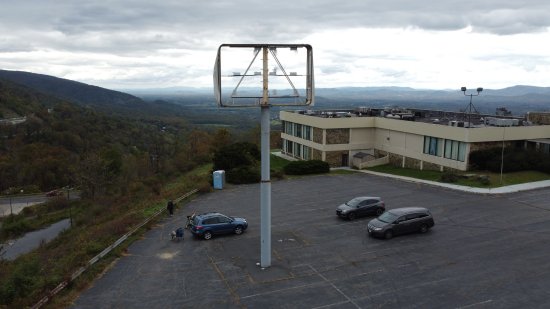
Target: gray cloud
134	30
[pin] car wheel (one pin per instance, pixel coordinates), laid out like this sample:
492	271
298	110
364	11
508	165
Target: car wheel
423	228
207	235
239	230
379	211
351	216
388	234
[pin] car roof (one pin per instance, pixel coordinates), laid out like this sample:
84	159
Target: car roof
366	197
208	214
407	210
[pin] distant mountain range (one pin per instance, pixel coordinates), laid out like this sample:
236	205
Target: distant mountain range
105	100
168	101
517	99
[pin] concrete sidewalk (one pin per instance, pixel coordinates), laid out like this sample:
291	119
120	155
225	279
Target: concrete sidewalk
499	190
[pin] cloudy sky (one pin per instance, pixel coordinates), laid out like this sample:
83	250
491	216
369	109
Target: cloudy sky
443	44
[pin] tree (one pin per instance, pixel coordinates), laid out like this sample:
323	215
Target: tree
236	155
198	146
240	162
221	138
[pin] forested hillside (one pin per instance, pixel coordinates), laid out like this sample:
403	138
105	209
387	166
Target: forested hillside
62	144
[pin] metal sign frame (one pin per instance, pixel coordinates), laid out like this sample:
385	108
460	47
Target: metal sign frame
300	97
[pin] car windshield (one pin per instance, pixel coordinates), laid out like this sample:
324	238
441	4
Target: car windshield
387	217
354	202
195	220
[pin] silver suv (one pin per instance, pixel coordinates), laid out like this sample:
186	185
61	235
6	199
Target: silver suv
401	221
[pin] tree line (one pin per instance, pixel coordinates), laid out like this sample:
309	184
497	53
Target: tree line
72	146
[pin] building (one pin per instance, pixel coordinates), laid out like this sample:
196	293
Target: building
413	138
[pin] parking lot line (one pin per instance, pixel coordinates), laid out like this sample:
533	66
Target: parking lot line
334	286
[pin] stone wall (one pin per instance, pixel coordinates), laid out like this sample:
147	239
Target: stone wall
316	154
451	170
539	117
337	136
318	135
396	160
412	163
427	166
334	158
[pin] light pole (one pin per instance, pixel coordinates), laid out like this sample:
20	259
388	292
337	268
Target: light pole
69	202
502	155
479	90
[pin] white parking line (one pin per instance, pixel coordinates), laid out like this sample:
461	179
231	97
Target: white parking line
476	304
281	290
334	286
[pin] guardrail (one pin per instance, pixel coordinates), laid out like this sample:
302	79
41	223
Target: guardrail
96	258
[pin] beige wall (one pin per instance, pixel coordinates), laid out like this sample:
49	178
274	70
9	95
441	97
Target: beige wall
405	138
471	135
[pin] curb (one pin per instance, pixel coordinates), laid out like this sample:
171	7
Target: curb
499	190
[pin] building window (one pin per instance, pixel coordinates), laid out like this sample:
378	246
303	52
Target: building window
288	147
307	132
289	128
297	150
306	155
455	150
461	151
431	146
298	130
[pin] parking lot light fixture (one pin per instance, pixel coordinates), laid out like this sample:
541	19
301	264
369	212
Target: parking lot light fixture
471	105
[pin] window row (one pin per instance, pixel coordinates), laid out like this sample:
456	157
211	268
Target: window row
296	150
447	148
298	130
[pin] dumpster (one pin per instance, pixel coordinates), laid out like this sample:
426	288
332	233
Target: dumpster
218	179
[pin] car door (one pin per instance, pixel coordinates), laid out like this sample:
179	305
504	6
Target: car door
410	223
224	225
362	208
400	225
371	207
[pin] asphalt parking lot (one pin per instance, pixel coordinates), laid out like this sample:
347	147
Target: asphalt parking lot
485	251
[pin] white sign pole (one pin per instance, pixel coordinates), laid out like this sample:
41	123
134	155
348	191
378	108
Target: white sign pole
265	189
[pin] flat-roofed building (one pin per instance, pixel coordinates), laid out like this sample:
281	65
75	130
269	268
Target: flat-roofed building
413	138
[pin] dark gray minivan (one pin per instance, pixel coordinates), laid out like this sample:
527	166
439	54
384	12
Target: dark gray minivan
401	221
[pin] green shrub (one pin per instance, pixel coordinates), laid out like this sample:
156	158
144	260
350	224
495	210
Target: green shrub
236	155
449	177
307	167
484	180
512	160
480	159
14	228
23	280
242	175
276	174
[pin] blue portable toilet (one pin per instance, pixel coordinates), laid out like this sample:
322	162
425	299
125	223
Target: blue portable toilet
218	179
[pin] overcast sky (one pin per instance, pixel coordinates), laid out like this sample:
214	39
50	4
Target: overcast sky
436	44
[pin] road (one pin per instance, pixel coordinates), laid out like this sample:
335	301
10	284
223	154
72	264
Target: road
16	204
485	251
